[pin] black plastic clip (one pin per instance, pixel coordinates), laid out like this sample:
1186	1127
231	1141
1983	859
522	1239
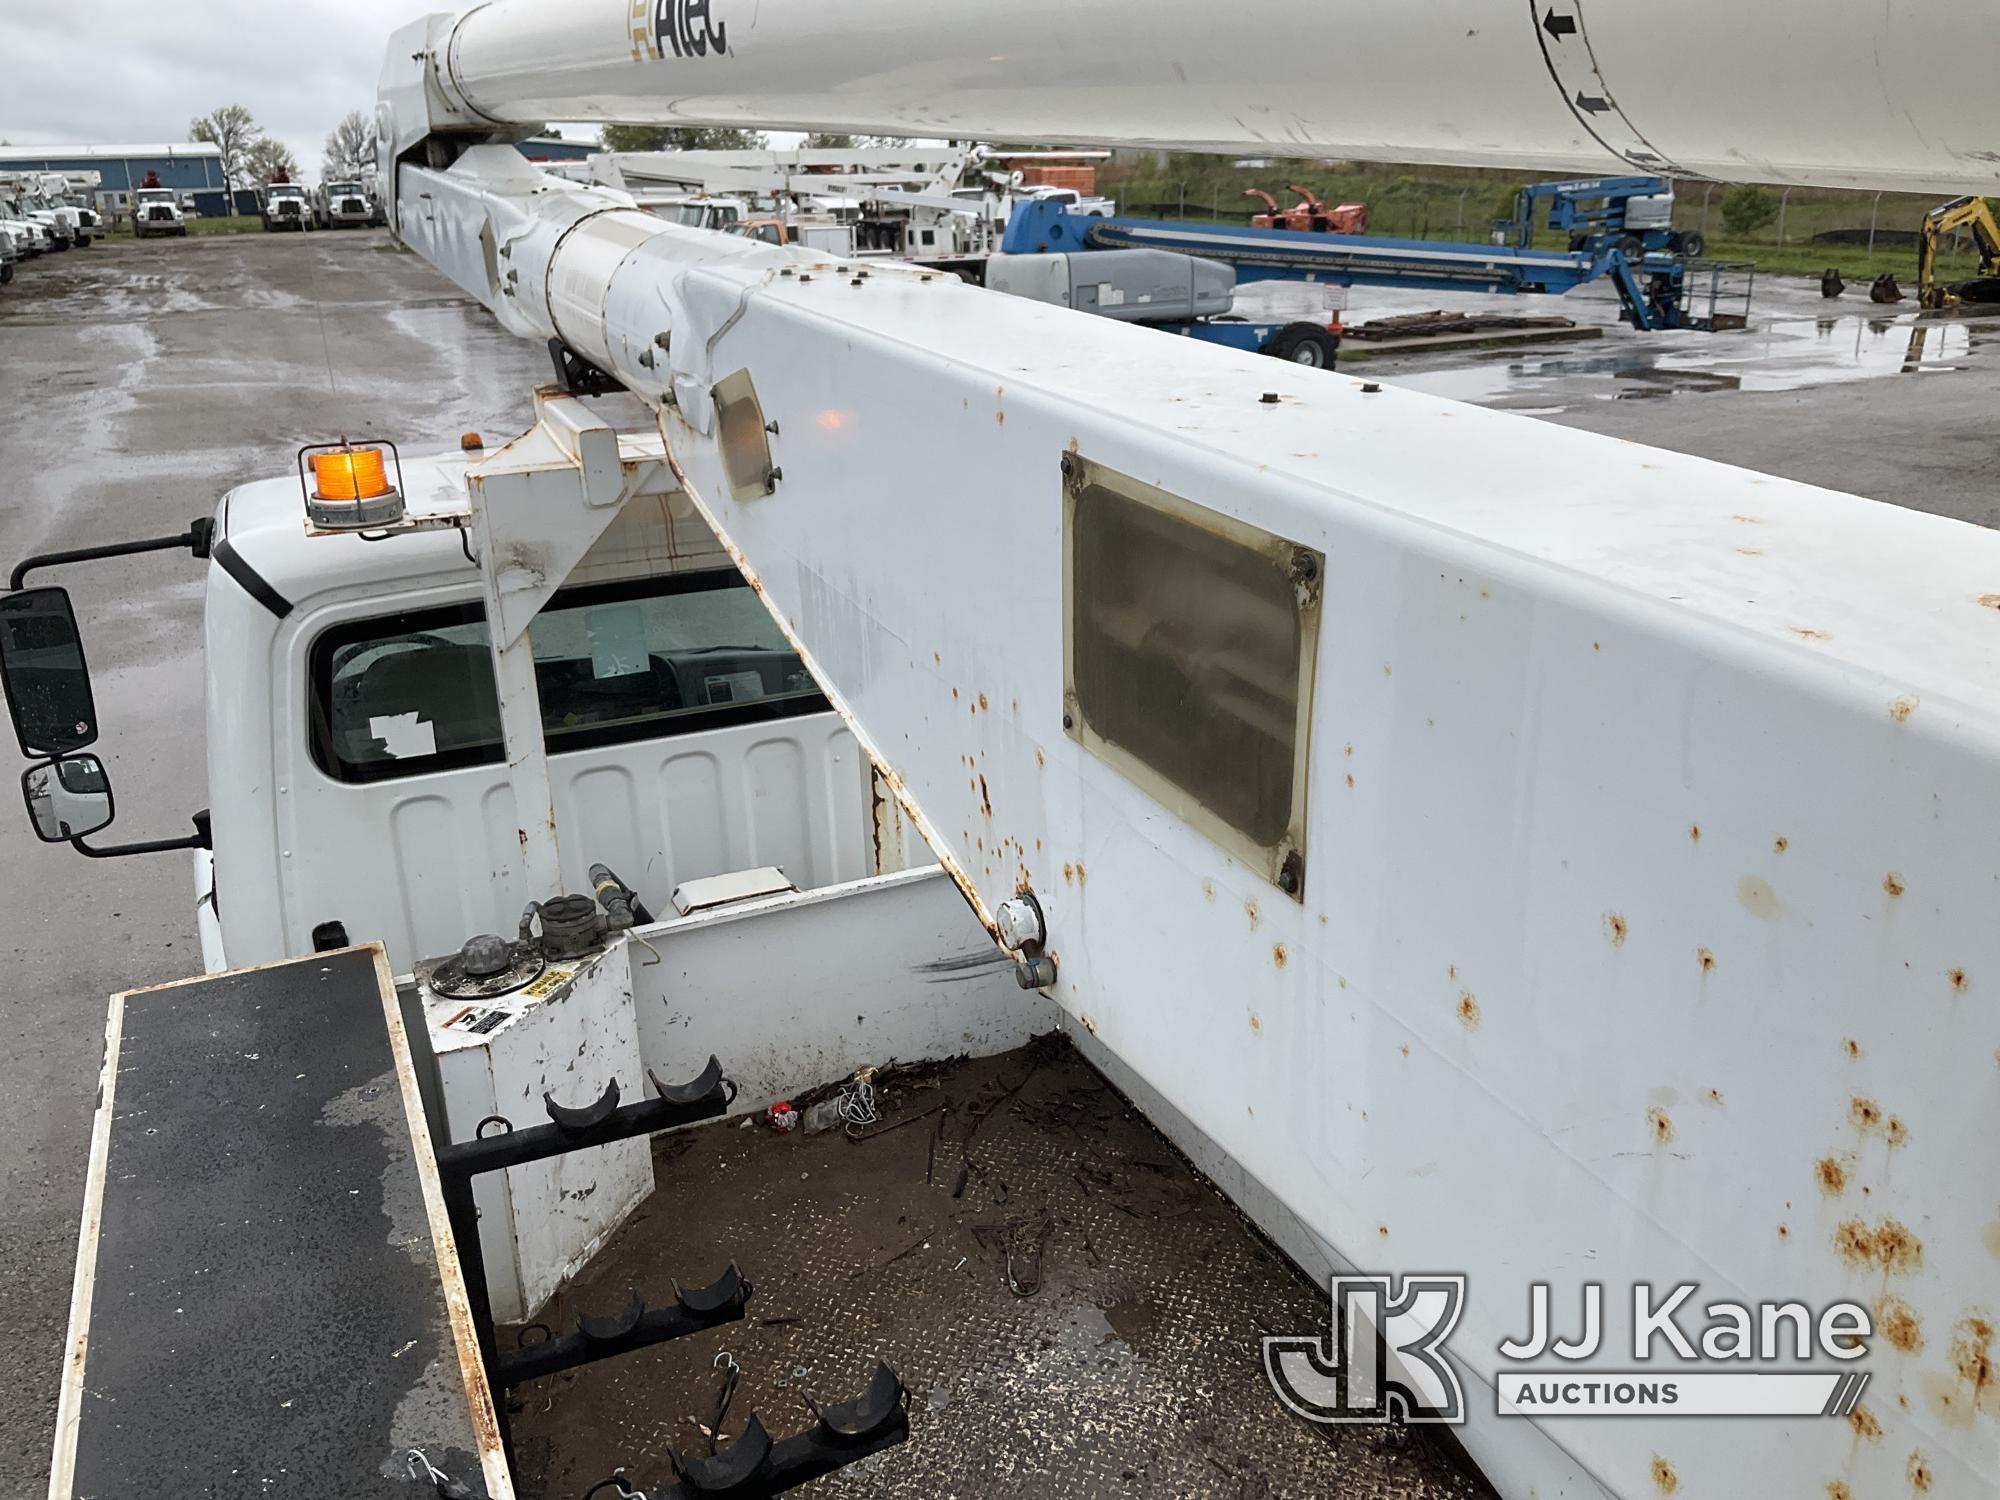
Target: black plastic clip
614	1327
589	1116
754	1466
633	1326
697	1088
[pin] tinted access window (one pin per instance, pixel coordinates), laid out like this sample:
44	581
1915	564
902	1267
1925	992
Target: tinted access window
1189	646
410	693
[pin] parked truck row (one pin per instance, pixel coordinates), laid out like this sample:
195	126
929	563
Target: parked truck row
48	211
42	212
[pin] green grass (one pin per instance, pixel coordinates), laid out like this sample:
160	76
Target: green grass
1444	203
236	224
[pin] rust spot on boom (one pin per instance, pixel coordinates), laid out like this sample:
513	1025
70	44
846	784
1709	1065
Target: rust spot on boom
1889	1245
1898	1323
1972	1358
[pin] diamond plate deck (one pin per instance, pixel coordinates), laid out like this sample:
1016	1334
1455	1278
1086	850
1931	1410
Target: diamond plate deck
1132	1370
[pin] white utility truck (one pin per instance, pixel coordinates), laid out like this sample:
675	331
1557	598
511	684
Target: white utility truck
343	205
27	237
1542	881
26	191
157	211
76	192
286	206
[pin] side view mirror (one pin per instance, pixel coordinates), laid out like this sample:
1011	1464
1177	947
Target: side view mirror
43	670
68	797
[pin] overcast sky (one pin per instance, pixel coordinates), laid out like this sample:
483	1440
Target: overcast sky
133	72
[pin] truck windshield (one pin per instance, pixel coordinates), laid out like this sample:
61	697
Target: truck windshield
412	693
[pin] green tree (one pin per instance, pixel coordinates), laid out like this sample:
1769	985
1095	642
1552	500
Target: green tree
680	138
232	131
830	140
350	148
266	158
1747	208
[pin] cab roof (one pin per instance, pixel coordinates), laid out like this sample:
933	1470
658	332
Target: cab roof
264	522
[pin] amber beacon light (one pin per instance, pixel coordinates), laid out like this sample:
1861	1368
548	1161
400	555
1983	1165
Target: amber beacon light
349	488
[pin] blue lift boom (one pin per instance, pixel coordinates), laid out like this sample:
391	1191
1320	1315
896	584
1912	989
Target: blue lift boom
1650	285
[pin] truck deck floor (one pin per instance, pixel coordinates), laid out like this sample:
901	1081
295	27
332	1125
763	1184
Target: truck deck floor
1123	1362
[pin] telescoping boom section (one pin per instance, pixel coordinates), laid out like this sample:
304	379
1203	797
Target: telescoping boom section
1499	844
1888	96
1416	798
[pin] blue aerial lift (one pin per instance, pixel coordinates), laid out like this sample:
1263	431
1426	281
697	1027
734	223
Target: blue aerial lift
1619	230
1634	215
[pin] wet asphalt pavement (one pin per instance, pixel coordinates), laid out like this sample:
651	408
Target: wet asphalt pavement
139	382
1842	393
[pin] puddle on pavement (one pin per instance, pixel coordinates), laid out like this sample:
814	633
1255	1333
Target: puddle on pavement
1783	355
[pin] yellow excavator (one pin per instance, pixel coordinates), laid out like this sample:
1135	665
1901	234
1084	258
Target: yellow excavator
1961	213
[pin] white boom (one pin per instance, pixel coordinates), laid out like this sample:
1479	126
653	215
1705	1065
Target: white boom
1893	95
1577	867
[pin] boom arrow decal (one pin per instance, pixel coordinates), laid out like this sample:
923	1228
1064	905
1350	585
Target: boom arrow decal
1562	34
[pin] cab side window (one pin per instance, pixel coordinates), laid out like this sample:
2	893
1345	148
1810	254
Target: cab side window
407	694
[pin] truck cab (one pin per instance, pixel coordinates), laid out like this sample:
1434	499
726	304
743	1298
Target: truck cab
24	234
72	194
696	211
355	755
58	225
157	211
287	207
343	205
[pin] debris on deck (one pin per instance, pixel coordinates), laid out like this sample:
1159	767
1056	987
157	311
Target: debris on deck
1073	1310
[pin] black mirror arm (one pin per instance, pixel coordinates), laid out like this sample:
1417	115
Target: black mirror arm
197	539
199	839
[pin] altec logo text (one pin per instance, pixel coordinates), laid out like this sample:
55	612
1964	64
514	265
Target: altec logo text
1384	1359
687	29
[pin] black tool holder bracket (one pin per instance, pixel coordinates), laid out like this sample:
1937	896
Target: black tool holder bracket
754	1465
703	1097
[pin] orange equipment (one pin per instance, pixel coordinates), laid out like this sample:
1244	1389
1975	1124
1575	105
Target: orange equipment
1309	215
